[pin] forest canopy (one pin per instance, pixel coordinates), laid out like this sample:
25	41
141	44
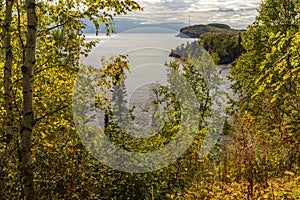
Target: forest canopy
220	40
42	155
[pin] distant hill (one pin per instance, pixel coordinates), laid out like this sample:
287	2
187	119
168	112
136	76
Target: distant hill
196	31
134	26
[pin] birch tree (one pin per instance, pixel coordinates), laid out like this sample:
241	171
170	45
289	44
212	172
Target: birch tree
42	42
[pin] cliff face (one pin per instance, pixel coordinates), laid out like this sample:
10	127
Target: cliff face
197	30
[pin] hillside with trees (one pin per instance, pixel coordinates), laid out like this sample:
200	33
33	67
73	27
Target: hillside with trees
227	47
196	31
220	40
43	156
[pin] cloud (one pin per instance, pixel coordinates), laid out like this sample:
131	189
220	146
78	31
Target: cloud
237	13
203	5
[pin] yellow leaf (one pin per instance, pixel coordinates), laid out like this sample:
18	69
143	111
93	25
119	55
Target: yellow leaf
43	135
289	173
47	144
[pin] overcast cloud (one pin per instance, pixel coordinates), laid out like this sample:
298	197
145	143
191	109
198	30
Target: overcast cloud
236	13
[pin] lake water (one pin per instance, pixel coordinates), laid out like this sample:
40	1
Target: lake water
137	45
147	54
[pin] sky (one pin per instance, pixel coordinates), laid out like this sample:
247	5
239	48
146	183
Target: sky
236	13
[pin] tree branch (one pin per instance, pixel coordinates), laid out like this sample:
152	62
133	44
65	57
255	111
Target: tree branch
57	26
50	113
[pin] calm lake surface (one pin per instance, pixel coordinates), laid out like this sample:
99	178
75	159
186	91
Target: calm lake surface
147	54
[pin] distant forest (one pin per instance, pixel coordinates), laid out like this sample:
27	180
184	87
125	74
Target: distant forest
49	144
220	40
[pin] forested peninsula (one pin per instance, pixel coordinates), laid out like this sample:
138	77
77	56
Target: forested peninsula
195	31
67	130
220	40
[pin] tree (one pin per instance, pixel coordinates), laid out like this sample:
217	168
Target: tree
28	118
43	42
226	46
267	82
185	106
8	70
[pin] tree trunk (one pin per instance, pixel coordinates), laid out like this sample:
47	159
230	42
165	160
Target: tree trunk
28	111
8	105
7	74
